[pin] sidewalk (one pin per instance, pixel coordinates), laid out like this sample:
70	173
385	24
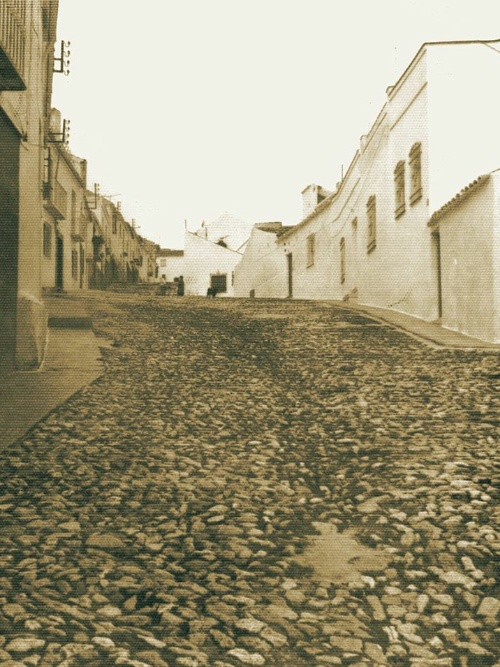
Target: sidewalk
430	332
72	361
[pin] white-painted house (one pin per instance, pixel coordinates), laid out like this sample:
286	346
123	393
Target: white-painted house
467	230
170	263
261	264
212	253
370	240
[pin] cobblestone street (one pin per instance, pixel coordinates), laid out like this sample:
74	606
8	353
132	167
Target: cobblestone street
256	483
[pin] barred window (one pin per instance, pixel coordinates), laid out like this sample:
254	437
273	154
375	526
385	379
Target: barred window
219	282
399	189
415	173
371	212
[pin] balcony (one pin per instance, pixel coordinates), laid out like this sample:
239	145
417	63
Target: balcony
55	199
79	228
12	44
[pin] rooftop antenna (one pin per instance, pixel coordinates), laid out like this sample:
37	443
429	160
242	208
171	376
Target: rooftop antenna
62	66
97	192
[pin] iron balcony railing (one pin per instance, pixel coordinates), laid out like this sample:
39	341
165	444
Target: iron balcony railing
12	44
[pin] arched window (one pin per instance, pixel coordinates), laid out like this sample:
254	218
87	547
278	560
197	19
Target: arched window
415	173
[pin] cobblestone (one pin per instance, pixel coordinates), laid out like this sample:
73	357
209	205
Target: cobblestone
172	513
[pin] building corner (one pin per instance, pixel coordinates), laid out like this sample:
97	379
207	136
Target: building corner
32	332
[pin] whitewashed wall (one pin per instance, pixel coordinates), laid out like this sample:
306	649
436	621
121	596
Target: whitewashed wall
262	268
469	250
203	258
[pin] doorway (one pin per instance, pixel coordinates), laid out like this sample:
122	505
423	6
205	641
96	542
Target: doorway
289	259
59	263
82	266
436	247
9	240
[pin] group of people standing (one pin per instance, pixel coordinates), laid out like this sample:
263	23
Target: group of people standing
167	288
178	287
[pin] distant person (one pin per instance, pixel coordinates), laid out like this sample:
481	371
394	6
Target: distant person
180	286
212	291
163	285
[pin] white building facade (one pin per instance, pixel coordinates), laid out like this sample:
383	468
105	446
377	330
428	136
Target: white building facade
212	253
467	230
170	264
370	240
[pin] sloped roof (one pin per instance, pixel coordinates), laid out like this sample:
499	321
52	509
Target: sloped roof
228	228
222	247
168	252
273	227
458	198
284	229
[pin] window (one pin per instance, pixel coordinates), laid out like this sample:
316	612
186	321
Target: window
371	212
310	249
74	264
415	173
219	282
399	189
342	260
73	211
47	174
163	261
47	239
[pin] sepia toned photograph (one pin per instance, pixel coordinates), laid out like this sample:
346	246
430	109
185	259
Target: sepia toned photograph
249	333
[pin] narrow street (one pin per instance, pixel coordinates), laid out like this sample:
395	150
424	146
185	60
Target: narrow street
256	483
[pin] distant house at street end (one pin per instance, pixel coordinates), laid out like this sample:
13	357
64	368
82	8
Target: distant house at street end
170	264
211	254
369	240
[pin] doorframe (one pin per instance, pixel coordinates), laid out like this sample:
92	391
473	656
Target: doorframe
289	259
82	265
436	246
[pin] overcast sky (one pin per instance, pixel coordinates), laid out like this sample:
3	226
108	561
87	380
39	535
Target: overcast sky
187	109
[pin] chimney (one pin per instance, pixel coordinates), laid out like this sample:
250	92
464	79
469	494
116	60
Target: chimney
55	122
309	199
